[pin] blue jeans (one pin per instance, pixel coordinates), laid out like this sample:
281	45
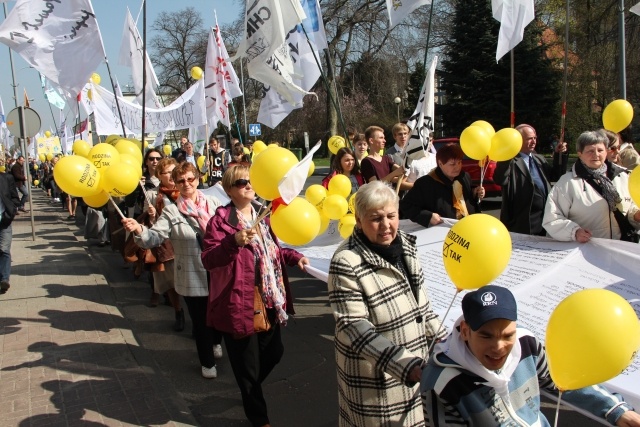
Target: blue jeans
22	188
5	252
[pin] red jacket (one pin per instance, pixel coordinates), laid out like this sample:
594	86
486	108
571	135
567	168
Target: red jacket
233	274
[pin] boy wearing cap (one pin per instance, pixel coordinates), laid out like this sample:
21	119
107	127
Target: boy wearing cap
488	372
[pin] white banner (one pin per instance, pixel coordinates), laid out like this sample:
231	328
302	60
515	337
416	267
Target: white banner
61	39
188	110
541	272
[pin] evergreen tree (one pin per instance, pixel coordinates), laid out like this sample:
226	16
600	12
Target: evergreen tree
478	88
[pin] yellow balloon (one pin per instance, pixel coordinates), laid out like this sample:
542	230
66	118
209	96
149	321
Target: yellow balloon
166	149
126	146
273	144
95	78
133	161
268	169
582	347
324	222
90	94
42	157
312	169
634	185
35	167
98	200
146	144
335	143
47	133
352	203
77	176
201	161
335	206
196	73
476	251
81	148
475	142
505	145
259	147
315	194
112	139
246	151
121	180
36	182
486	126
340	184
49	156
103	155
3	168
617	115
297	223
346	225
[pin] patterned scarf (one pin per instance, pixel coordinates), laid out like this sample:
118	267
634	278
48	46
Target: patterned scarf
267	258
458	200
200	210
599	175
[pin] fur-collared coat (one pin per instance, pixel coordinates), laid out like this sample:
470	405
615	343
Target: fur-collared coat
382	333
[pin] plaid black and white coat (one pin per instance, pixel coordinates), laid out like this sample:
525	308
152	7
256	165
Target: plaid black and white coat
382	332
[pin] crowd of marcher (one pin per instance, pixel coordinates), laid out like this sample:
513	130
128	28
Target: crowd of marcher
396	364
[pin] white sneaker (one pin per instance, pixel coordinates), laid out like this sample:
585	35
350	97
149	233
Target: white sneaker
56	200
217	351
211	372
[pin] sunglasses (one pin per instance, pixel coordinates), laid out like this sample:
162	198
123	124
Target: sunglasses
241	183
154	159
183	180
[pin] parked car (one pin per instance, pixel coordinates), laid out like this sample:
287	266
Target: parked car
472	167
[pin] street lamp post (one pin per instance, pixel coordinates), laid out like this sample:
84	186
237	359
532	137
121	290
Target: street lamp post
397	101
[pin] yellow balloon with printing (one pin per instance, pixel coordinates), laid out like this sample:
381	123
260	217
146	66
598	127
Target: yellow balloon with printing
104	155
77	176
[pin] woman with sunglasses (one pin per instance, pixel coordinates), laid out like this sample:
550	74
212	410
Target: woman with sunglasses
241	256
150	181
183	222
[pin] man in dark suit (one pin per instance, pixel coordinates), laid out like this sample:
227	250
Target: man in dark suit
525	182
9	202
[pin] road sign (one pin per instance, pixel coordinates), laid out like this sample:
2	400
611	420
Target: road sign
254	129
31	125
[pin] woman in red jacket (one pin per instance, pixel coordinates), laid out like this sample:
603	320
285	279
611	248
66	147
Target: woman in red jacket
239	258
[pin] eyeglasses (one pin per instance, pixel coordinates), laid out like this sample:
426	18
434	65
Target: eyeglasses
183	180
616	148
241	183
154	159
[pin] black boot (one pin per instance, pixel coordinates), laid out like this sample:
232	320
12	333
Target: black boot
179	325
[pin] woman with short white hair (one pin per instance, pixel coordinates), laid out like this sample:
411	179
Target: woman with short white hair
384	322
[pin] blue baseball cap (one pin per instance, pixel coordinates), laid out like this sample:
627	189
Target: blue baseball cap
488	303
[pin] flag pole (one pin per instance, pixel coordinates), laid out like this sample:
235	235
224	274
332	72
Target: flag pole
512	117
622	52
235	116
426	48
47	99
563	113
144	72
335	103
13	72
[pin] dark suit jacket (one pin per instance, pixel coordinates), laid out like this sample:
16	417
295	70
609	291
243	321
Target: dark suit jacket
10	198
518	190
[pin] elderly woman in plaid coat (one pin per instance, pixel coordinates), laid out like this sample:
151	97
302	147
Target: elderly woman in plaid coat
384	322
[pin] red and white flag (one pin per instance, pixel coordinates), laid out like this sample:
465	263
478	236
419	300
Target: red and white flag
220	80
63	42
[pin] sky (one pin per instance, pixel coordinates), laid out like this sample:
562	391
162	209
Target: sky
110	15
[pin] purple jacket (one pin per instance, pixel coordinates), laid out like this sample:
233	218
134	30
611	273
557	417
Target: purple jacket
233	274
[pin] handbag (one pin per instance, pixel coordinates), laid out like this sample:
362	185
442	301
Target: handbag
260	319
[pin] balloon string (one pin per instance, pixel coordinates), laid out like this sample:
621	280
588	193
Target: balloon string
555	423
144	191
430	348
261	216
115	205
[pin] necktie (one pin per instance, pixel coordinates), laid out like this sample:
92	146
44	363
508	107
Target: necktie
535	175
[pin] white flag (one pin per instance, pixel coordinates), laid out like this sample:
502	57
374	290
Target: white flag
186	111
274	108
157	142
51	94
293	181
198	136
267	24
400	9
635	9
131	56
513	16
421	121
60	39
220	80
